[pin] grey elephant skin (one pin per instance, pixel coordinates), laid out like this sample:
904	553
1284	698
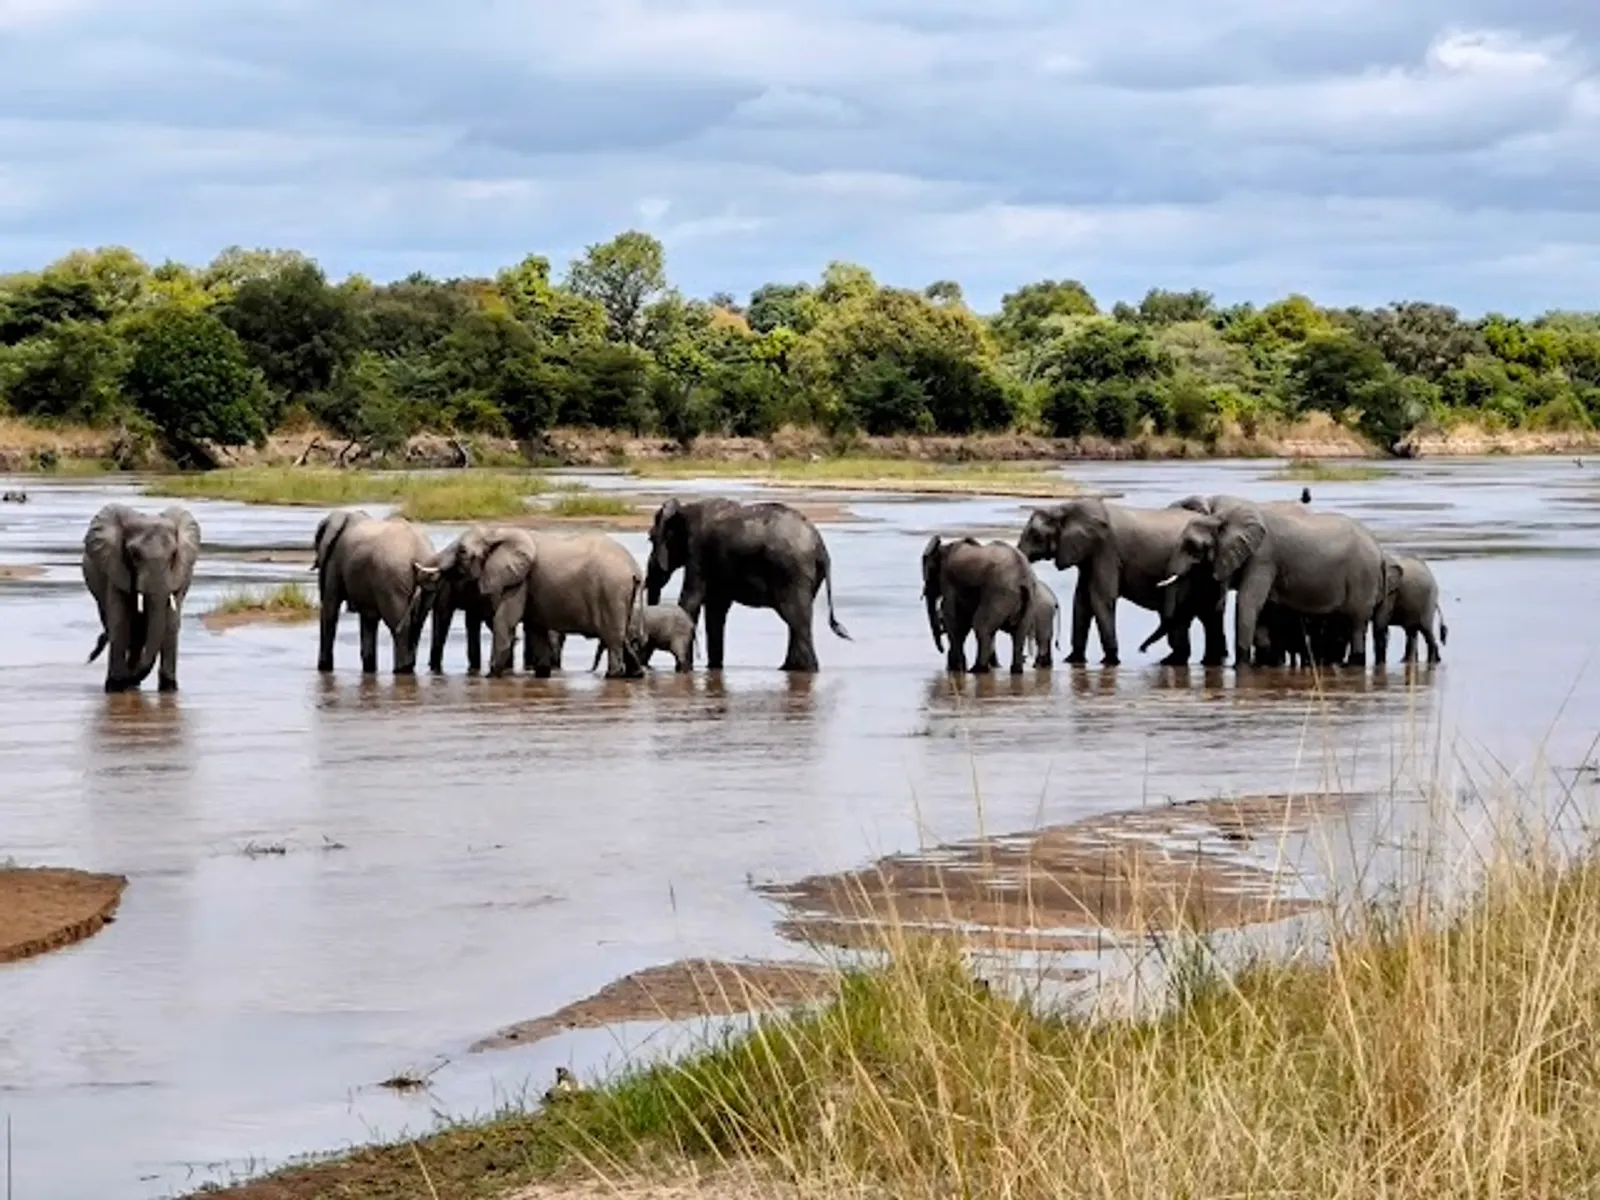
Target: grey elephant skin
1285	637
984	590
665	627
1411	602
1315	564
381	570
555	584
457	592
1042	629
764	555
1123	553
138	567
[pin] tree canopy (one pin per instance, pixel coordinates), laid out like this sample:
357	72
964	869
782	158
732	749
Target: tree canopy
226	351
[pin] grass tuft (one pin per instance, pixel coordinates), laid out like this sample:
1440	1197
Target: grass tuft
446	496
291	597
587	504
866	473
1313	470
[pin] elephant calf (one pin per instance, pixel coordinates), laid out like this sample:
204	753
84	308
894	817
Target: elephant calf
984	590
1042	628
1411	601
382	570
666	627
138	568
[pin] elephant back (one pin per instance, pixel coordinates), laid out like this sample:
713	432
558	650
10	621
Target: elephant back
329	530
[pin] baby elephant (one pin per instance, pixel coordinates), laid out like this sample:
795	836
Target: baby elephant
1411	601
666	627
1041	627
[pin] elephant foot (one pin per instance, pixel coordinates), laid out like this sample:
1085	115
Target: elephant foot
1175	660
982	669
116	686
1043	663
406	670
325	665
1111	660
1077	660
166	683
1355	660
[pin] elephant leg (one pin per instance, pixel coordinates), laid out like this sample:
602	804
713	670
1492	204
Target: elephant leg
1042	661
167	671
405	648
1358	639
1432	642
1079	653
956	629
716	614
369	643
1178	640
1105	620
474	620
1213	623
530	656
507	615
796	611
985	658
332	601
1019	651
1380	642
1411	645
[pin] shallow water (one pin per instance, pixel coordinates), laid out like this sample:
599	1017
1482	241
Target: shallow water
463	853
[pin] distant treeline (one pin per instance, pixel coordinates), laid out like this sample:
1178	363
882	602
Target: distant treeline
257	339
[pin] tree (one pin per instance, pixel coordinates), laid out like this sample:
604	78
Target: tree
547	310
1161	307
1102	377
793	306
944	291
32	306
1418	338
70	374
622	276
191	376
296	329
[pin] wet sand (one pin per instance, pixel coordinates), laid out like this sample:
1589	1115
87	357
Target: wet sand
512	846
16	574
46	908
676	992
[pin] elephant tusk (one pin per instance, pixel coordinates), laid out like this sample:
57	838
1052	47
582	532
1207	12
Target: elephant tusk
1168	581
172	602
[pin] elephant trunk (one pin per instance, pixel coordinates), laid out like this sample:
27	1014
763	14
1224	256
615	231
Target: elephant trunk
655	578
158	606
935	625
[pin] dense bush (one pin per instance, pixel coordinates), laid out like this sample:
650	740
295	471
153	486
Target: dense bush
223	353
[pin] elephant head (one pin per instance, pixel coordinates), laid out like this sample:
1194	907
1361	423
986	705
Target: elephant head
148	562
1067	533
1226	541
932	568
669	548
493	560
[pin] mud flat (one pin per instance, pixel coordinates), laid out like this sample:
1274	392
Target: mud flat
45	908
679	991
16	574
221	622
1065	887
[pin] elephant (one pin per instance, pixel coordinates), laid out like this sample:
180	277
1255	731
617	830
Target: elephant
1043	626
1412	603
139	567
1123	552
457	591
1288	638
986	590
761	555
382	570
553	584
1315	564
666	627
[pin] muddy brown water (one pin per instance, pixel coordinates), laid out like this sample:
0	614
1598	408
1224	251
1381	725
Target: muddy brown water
460	854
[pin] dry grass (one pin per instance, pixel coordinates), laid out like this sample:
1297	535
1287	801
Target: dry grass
291	601
446	496
1312	470
1434	1044
588	504
874	474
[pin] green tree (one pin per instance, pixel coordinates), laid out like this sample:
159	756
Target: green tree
296	329
191	376
1102	377
793	306
623	276
547	310
1027	316
71	374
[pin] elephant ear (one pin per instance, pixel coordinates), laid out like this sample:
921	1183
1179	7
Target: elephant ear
188	530
667	513
508	564
329	530
1080	531
103	544
1393	573
932	555
1241	536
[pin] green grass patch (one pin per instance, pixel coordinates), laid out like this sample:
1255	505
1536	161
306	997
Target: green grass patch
292	597
1313	470
587	504
444	496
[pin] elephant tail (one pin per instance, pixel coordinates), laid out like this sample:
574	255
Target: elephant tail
826	563
1056	626
636	603
1444	630
599	649
98	646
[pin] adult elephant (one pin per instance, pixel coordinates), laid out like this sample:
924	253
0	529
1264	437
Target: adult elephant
763	555
1315	564
380	569
457	592
1123	553
554	585
984	590
138	567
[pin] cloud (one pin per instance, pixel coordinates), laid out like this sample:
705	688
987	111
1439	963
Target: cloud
1354	149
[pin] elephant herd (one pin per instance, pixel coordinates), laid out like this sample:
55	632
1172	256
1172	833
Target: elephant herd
139	567
1309	585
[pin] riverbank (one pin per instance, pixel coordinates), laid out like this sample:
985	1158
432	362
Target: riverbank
27	448
1403	1055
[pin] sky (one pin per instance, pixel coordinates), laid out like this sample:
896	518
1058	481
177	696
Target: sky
1359	151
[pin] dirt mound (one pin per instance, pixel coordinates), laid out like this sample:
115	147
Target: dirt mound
45	908
695	987
1063	887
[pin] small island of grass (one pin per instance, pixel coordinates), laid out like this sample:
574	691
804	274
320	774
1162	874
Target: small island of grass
444	496
1314	470
288	602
